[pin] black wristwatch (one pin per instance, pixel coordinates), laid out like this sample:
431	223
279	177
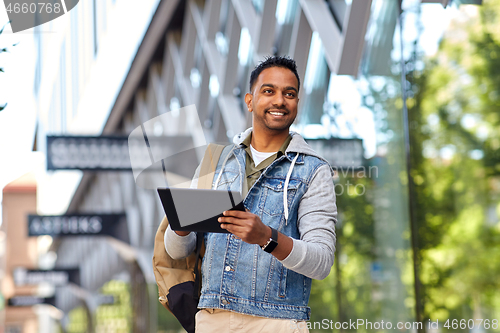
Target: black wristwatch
272	242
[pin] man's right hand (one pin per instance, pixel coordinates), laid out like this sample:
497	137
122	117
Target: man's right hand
182	233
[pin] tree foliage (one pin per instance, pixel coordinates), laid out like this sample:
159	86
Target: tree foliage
455	122
454	110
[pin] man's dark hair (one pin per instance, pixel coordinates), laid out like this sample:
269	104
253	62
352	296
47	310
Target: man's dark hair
274	61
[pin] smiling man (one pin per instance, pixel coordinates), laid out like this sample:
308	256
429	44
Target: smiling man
258	277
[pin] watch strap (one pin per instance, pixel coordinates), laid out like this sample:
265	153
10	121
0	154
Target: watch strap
272	242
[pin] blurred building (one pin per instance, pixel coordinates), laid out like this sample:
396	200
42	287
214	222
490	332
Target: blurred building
19	250
112	65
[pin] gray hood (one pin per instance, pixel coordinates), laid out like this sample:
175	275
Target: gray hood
297	144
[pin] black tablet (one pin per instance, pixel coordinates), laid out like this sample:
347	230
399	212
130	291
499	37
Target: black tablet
189	209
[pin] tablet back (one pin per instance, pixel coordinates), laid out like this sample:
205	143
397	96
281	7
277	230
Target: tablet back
189	209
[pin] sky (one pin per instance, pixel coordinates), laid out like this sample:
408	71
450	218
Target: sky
17	120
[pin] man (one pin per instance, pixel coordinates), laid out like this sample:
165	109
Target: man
258	277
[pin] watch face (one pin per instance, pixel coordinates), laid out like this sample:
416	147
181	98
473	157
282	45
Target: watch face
271	246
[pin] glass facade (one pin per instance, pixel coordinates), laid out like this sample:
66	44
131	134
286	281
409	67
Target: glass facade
372	279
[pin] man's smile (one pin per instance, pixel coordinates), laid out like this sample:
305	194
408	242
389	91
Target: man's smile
277	113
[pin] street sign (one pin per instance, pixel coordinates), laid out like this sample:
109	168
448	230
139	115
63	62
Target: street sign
114	225
30	300
342	154
88	153
55	277
112	153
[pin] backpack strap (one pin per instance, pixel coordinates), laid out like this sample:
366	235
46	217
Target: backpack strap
208	165
205	179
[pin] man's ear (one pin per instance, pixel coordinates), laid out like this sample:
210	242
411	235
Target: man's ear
248	101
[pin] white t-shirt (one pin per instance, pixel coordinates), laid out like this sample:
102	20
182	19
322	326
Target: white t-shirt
259	156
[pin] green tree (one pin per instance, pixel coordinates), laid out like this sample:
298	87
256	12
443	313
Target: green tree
455	135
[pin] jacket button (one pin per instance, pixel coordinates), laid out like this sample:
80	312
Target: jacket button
227	269
225	302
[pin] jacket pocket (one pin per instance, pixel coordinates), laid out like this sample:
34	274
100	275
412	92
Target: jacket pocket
282	284
271	201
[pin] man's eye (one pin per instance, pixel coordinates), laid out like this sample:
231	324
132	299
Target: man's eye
268	91
291	94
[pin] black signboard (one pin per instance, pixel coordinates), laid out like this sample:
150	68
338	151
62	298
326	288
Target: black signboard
56	277
30	300
342	154
114	225
112	153
88	153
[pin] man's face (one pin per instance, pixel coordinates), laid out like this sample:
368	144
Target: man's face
273	99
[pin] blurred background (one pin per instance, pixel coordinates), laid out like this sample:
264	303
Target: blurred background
402	97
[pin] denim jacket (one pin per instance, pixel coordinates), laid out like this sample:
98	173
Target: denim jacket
241	277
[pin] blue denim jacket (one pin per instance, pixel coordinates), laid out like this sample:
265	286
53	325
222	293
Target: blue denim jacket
241	277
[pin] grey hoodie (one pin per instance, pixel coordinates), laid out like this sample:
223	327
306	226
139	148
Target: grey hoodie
313	254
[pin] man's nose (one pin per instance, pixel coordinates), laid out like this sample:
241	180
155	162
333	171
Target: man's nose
279	99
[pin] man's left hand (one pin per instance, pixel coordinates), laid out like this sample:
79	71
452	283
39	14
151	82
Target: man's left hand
246	226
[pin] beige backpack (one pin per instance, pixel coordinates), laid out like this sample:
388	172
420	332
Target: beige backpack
179	281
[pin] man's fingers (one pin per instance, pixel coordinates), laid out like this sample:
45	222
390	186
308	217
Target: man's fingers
243	225
230	220
232	228
236	213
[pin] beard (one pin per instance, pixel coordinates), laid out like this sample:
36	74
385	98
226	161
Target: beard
270	123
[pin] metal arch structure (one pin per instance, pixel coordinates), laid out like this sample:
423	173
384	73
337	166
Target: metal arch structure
195	46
